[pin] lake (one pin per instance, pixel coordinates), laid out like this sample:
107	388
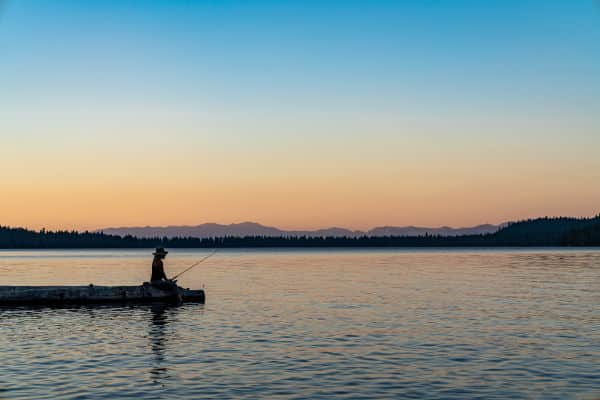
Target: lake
308	324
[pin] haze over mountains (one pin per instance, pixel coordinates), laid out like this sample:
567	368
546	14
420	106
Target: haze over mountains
541	232
254	229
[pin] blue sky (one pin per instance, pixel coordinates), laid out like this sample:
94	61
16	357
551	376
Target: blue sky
374	87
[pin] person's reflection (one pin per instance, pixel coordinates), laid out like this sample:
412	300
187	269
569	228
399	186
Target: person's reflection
158	328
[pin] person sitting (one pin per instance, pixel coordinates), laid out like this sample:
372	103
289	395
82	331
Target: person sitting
158	270
159	278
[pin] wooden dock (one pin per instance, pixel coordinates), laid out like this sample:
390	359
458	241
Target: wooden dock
96	294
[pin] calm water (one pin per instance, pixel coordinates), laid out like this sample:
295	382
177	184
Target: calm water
313	324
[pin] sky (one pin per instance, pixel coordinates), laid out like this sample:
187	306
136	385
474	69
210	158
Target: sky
298	114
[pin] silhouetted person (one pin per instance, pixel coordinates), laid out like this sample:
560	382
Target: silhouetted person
159	278
158	270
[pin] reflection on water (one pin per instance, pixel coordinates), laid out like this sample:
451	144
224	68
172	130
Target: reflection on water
158	339
89	344
316	324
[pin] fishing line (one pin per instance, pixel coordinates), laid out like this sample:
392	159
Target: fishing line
195	264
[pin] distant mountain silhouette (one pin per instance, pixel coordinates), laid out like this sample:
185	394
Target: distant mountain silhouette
534	232
254	229
442	231
199	231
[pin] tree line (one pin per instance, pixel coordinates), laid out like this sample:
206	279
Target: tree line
545	231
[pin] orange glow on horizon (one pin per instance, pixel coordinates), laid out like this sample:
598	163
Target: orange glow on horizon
297	204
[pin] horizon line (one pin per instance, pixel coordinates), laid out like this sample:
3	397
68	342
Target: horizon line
499	225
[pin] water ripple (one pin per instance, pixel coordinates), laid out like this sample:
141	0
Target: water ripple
309	325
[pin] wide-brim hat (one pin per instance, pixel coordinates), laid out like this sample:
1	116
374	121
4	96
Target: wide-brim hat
160	251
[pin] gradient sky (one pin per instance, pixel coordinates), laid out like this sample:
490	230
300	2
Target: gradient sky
299	114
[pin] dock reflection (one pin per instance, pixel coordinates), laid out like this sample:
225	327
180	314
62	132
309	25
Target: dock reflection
96	325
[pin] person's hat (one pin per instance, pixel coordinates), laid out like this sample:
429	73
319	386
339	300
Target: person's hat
160	251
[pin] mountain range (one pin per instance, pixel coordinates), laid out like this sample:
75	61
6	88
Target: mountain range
254	229
541	232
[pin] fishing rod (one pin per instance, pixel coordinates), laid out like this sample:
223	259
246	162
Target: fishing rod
195	264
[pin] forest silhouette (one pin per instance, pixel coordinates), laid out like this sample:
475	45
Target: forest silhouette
561	231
